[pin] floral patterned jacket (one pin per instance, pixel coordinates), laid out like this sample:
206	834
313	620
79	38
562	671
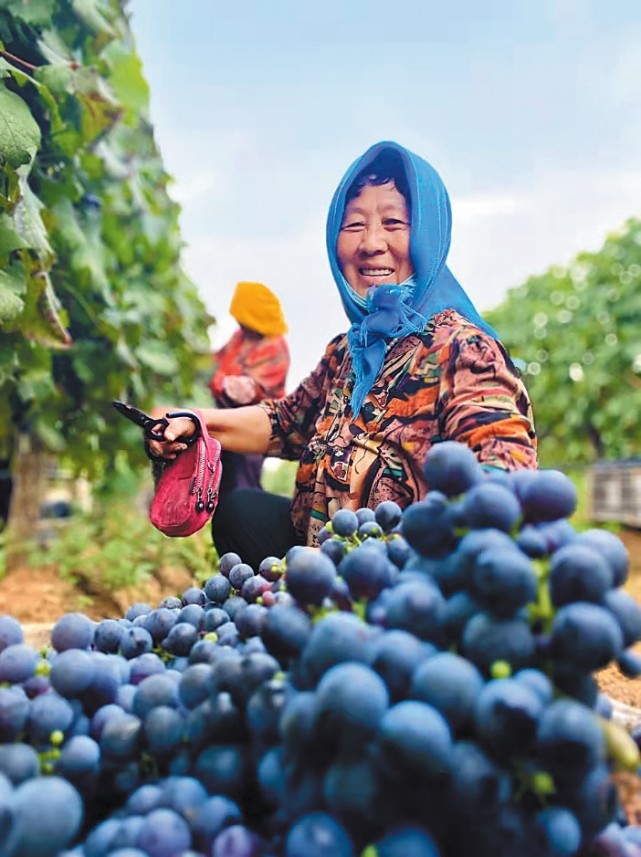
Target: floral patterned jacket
452	382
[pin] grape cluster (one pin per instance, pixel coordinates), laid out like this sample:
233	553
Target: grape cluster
421	685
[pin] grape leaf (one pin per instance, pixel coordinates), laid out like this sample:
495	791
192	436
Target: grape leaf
19	131
11	302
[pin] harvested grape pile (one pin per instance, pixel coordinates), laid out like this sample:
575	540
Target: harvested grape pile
422	685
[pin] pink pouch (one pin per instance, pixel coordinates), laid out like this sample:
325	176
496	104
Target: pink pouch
187	491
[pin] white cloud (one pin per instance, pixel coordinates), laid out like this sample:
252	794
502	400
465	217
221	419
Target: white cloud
496	247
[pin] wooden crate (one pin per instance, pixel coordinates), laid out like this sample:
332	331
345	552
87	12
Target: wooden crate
615	492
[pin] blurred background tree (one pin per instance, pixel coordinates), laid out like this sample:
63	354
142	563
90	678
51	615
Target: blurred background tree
574	332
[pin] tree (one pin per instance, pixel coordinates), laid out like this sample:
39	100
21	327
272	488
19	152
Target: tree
94	304
575	332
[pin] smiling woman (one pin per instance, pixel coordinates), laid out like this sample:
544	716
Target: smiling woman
373	245
417	366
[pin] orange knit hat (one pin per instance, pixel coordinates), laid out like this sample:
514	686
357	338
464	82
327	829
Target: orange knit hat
255	306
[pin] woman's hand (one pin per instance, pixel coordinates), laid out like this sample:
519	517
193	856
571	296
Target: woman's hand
178	428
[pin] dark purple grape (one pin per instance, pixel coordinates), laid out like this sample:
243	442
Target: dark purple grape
251	620
560	828
72	631
366	573
194	686
586	636
222	769
415	738
550	496
310	576
503	581
11	632
162	731
487	640
318	835
210	818
164	833
344	523
238	841
395	655
120	739
407	840
611	549
17	663
18	762
364	514
271	568
135	641
449	683
107	636
334	549
477	780
193	595
452	468
569	740
72	672
578	573
427	527
351	699
370	530
490	505
227	562
155	690
417	607
254	588
48	814
218	588
627	612
48	713
398	550
180	639
506	716
337	638
194	614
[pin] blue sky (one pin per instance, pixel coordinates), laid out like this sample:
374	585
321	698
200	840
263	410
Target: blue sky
529	110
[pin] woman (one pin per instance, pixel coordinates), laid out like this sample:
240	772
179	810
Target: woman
417	366
251	366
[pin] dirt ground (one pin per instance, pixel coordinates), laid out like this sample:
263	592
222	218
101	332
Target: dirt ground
39	597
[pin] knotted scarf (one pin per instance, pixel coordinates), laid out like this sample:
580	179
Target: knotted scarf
394	310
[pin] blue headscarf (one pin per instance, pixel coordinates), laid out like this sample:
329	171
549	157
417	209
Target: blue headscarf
390	311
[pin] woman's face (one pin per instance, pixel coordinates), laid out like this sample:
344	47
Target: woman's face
373	244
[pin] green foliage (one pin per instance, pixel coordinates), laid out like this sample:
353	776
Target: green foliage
94	304
576	332
96	552
280	479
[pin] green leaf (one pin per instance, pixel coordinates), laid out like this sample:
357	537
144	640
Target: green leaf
19	131
9	238
126	79
36	13
41	322
53	48
157	357
22	78
28	222
92	14
11	302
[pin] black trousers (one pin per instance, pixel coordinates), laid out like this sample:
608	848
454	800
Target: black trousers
254	524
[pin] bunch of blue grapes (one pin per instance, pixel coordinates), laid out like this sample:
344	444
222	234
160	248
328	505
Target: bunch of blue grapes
420	686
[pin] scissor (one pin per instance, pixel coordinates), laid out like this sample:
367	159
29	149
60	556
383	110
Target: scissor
147	423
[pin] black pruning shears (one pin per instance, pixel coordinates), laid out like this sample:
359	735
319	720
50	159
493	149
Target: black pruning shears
146	423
